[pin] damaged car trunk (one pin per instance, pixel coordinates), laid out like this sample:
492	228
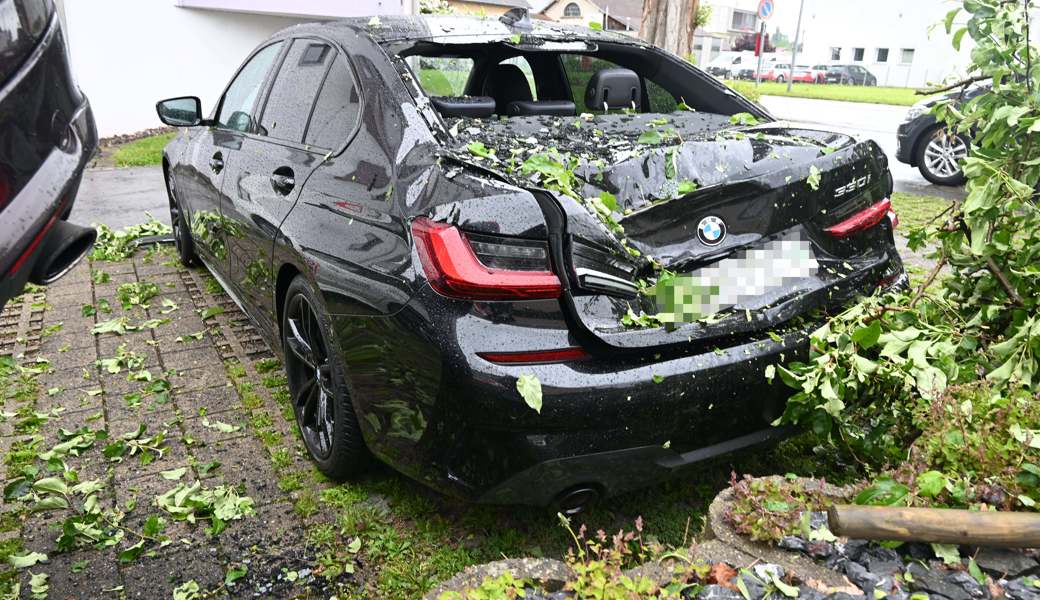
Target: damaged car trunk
680	215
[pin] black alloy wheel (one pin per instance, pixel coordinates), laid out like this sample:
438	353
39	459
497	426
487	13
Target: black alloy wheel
181	231
321	402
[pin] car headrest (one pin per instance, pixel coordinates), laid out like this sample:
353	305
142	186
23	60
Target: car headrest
555	108
506	83
473	107
613	88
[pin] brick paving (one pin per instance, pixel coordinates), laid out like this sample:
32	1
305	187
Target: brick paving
76	393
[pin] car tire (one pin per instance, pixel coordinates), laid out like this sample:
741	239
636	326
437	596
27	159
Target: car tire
780	79
317	385
181	230
937	156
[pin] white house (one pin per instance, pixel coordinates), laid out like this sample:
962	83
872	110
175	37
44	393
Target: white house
127	54
730	19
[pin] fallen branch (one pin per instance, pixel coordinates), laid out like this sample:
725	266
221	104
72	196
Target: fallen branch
962	83
993	268
927	282
937	525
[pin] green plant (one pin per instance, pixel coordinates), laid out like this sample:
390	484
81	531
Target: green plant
112	245
879	372
767	509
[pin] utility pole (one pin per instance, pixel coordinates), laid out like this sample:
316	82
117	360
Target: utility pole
760	45
794	50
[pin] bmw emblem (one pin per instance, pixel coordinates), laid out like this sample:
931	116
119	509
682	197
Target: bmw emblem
711	231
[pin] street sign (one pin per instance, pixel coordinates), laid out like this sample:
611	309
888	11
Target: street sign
765	9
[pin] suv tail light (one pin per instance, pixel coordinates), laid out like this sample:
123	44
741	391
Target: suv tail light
481	267
864	219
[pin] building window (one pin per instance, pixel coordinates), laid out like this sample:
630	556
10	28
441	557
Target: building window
835	53
907	56
882	55
743	20
857	54
572	10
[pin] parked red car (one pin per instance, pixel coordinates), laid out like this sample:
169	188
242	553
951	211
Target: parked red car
802	74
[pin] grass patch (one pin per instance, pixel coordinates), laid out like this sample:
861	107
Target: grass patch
143	152
843	93
917	211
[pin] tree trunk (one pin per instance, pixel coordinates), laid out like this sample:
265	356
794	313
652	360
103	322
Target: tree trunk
669	24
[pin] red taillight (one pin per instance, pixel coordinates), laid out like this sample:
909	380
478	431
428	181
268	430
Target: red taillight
864	219
534	356
454	270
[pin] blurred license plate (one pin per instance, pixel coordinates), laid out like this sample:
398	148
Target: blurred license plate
731	281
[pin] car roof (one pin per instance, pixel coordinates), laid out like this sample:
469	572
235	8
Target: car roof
457	29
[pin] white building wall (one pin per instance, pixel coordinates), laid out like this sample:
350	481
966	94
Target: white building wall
128	54
888	24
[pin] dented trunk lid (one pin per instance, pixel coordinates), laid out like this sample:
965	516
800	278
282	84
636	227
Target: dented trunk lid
772	189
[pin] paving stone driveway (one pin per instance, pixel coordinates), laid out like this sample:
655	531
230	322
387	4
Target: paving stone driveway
227	405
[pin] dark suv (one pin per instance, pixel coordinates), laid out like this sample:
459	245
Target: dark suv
849	74
48	135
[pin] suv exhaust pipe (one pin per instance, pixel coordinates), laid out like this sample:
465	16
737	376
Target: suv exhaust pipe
63	248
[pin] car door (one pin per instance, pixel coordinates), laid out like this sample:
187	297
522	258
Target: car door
268	171
210	155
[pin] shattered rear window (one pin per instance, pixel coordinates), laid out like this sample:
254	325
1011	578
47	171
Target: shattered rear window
443	76
581	67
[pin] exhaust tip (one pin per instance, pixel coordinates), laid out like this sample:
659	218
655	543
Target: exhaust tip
65	246
577	500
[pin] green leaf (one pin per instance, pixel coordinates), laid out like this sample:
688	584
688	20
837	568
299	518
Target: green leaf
957	38
885	492
530	389
814	178
608	200
131	553
867	337
26	560
54	485
173	474
235	573
788	590
211	312
650	137
930	484
220	426
948	553
976	572
189	590
354	546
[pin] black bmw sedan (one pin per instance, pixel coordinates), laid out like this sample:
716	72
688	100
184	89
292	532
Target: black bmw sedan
48	135
421	213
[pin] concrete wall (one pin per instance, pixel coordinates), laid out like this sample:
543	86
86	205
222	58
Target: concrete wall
127	54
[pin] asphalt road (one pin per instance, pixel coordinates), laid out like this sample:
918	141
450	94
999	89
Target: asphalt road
121	197
865	121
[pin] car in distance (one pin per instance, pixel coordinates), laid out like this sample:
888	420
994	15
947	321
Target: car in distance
49	135
849	75
802	74
925	143
416	234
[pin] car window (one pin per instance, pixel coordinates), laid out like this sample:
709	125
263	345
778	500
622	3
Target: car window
236	108
336	110
579	70
292	96
442	75
525	67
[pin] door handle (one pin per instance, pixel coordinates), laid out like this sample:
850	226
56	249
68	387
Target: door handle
283	181
217	163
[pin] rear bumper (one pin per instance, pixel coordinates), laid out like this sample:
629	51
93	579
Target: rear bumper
46	198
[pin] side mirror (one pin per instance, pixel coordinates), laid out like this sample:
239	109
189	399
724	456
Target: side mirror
185	111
